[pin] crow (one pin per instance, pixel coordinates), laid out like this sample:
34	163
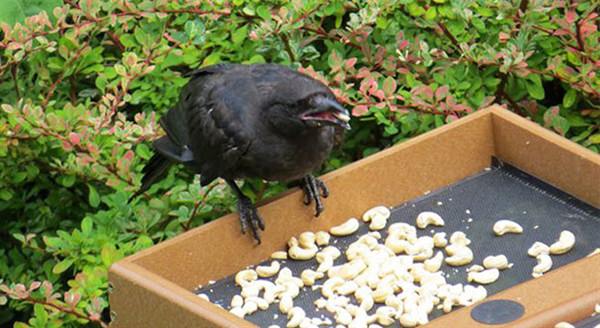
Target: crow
236	121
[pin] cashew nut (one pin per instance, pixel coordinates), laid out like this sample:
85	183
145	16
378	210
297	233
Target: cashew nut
264	271
250	307
594	252
295	316
307	239
507	226
435	263
381	293
385	315
378	211
238	312
564	324
378	223
497	262
475	268
347	228
329	285
204	297
260	302
322	238
429	218
565	242
538	248
402	230
544	263
342	316
363	296
347	288
236	301
279	255
329	251
244	277
408	319
309	276
439	239
459	238
459	255
484	277
302	254
286	303
395	244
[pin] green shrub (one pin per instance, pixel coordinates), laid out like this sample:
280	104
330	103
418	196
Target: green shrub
81	90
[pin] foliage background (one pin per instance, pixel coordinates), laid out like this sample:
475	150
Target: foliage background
82	86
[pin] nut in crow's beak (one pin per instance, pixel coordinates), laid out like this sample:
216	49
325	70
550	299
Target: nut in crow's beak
326	111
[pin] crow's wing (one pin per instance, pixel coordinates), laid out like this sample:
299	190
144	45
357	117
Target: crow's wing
219	106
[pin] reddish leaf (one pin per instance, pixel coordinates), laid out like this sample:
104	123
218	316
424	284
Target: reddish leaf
403	44
571	16
379	94
67	145
34	285
549	115
424	91
441	92
363	72
350	62
561	31
451	118
74	138
389	86
360	110
503	37
588	28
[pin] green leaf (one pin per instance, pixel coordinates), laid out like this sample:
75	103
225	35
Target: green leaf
5	194
239	35
594	139
561	124
93	197
534	87
415	10
263	12
62	266
569	98
11	11
87	225
431	13
41	316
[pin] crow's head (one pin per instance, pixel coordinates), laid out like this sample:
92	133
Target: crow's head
320	109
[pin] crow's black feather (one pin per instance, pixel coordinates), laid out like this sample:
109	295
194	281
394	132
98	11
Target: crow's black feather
238	121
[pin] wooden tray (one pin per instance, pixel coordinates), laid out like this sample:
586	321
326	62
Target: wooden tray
153	288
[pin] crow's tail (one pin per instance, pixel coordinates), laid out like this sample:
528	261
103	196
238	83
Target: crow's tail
154	171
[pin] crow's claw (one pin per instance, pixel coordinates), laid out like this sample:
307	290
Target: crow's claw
248	214
314	188
249	217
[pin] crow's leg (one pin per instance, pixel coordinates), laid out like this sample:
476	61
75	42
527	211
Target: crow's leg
314	188
248	212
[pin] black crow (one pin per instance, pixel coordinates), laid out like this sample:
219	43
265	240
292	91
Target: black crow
238	121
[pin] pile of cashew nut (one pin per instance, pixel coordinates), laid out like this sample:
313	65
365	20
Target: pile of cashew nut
382	280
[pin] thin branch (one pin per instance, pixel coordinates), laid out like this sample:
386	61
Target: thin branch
67	310
201	202
13	72
449	35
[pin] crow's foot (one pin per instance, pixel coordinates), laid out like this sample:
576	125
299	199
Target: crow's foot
249	216
314	189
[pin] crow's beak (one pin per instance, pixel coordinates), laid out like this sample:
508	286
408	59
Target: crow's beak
327	110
